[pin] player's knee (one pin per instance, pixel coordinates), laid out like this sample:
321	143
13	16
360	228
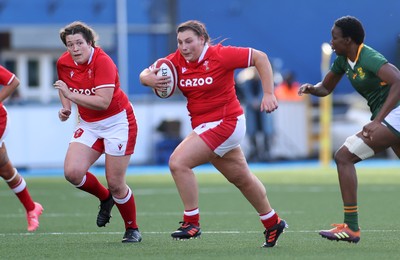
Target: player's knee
74	176
174	163
71	179
240	183
358	147
340	156
118	190
242	180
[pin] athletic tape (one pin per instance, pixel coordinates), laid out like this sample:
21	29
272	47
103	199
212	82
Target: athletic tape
357	146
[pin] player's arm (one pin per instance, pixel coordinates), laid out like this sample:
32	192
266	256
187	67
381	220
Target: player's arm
321	89
391	75
6	91
261	62
65	111
104	83
148	77
100	101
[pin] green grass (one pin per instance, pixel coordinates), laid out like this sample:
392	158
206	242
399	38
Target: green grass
308	199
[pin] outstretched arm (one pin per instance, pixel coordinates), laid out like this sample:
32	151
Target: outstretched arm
321	89
261	62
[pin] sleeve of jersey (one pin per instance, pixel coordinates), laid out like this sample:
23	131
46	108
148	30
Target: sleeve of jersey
338	66
375	62
59	70
6	77
105	73
235	57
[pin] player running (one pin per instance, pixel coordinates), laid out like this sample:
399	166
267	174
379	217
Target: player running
206	79
378	81
10	174
89	78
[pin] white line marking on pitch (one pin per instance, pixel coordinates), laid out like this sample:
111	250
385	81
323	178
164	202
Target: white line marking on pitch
158	232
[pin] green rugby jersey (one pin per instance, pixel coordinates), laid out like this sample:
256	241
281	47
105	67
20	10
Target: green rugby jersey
363	76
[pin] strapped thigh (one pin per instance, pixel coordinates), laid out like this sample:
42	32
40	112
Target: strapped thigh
357	146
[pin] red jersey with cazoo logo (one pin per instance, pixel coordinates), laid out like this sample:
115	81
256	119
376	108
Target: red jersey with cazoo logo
99	72
6	77
208	84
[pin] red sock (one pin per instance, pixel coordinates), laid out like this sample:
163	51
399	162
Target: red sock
269	219
21	191
92	185
127	208
192	216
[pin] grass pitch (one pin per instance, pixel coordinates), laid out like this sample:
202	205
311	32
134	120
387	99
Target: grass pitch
308	199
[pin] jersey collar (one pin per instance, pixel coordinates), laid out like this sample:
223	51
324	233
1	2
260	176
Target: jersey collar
203	53
91	56
358	53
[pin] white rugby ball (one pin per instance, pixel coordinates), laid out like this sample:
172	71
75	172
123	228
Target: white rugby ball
167	68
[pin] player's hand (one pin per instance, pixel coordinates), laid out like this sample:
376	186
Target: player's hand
306	88
162	82
64	114
369	129
63	88
149	78
268	103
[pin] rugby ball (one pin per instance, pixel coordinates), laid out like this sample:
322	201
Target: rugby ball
167	68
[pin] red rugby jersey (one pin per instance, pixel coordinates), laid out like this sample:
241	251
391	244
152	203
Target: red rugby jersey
6	77
99	72
209	85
